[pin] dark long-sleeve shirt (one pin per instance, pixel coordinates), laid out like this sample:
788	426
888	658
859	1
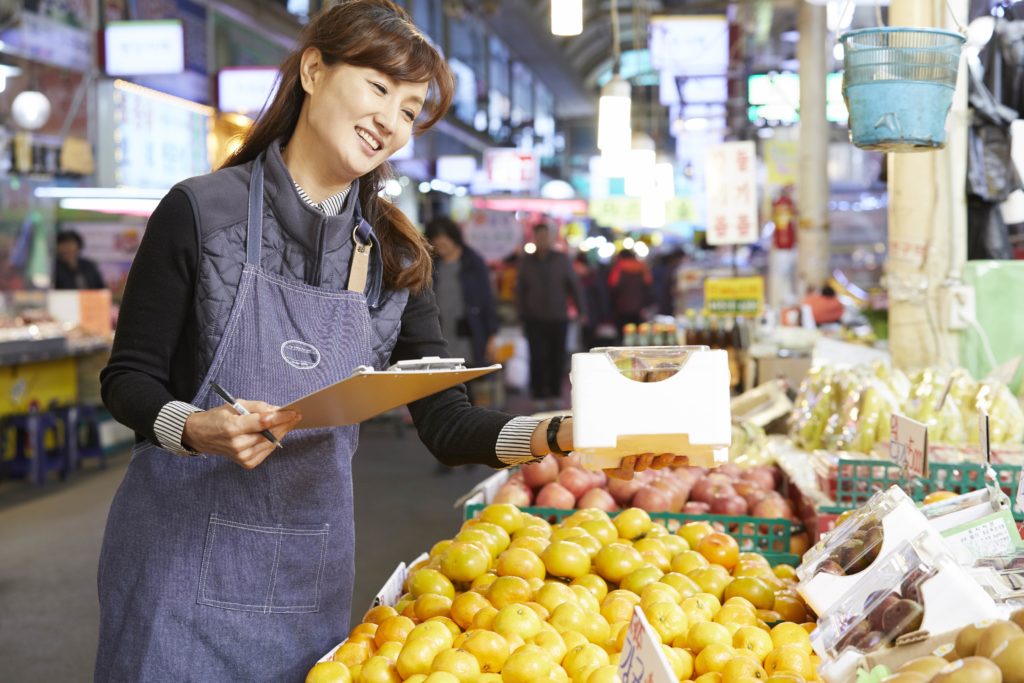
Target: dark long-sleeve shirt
154	359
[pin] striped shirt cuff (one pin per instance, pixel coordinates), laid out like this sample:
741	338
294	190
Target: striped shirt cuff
170	424
513	445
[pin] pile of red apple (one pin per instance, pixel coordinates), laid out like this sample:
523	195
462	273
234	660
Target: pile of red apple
558	482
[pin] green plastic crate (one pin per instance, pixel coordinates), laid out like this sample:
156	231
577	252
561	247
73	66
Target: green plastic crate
965	477
858	480
768	537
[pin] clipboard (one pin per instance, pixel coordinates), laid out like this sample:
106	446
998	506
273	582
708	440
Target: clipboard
369	392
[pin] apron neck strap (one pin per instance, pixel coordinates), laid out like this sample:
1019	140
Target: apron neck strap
254	228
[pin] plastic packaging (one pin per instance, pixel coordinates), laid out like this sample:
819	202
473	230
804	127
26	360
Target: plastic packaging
836	563
916	593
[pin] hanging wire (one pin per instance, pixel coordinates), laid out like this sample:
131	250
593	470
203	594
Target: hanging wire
615	37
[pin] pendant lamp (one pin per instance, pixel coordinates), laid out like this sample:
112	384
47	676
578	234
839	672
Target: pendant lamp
566	17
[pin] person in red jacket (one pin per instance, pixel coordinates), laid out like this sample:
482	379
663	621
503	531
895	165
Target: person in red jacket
631	287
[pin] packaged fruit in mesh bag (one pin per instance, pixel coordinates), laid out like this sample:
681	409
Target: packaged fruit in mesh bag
816	401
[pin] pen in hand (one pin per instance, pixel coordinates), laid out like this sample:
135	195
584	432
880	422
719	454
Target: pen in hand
240	409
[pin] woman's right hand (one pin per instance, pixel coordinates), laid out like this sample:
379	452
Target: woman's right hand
222	431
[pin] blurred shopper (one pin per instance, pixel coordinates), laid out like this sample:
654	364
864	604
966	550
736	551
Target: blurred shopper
630	283
663	275
825	306
276	276
73	271
462	285
595	293
545	285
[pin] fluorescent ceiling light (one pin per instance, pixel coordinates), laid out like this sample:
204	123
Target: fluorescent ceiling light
97	193
137	207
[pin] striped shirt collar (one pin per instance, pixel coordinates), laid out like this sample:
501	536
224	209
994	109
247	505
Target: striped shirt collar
330	206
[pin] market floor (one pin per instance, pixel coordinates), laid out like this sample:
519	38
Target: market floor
50	542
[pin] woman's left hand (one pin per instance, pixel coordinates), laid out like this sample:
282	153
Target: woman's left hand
638	463
627	468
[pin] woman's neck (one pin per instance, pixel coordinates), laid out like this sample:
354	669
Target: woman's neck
306	168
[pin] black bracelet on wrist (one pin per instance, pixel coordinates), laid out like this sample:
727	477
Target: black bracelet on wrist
553	435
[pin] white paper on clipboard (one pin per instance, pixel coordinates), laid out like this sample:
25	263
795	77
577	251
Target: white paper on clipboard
370	392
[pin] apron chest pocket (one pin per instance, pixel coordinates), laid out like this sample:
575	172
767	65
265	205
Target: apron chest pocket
272	569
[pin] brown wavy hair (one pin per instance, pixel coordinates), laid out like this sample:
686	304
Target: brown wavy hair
376	34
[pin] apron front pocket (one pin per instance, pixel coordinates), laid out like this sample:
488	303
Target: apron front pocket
262	568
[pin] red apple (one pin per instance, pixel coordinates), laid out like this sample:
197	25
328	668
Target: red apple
760	476
729	470
725	504
577	481
695	508
554	495
540	473
512	492
597	498
770	508
567	461
623	491
652	500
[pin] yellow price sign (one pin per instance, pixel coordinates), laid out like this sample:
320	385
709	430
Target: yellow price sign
734	295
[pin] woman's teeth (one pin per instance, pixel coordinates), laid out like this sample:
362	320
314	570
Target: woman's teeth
369	139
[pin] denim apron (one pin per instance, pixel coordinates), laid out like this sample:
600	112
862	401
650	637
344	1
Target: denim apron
211	572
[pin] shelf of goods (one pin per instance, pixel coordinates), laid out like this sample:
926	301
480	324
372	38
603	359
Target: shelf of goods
515	598
838	450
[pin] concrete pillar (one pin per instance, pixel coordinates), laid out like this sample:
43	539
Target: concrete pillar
927	219
812	185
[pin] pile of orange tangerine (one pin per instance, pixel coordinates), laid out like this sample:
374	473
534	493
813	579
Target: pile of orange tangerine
514	599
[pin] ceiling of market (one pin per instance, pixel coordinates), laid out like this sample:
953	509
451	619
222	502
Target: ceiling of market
572	66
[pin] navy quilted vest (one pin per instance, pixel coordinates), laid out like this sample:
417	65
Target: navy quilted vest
299	243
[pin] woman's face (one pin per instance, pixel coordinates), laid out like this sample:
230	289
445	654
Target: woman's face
358	116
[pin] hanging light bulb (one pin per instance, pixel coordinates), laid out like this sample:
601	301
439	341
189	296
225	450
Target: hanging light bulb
566	17
640	165
30	109
614	112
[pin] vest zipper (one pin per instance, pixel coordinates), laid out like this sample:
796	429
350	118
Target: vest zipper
319	265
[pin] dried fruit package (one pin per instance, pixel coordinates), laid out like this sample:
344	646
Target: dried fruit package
885	604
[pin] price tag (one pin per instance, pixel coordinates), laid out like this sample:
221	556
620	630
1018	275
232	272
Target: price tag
391	591
642	659
908	445
1020	490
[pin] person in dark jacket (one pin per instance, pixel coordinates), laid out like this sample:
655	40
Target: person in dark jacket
546	283
462	286
73	271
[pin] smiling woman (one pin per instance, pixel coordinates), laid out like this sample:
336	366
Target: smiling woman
274	277
388	52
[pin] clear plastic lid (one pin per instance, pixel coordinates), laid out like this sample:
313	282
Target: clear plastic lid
851	547
649	363
885	603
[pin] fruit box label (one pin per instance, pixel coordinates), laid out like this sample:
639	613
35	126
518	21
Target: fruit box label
908	446
642	659
391	592
993	535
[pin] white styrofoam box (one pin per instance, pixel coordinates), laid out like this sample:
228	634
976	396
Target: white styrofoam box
484	492
902	523
685	414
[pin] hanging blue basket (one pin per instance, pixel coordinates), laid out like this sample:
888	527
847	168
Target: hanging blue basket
898	84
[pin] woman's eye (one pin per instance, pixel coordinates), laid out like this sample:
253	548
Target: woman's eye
380	88
410	115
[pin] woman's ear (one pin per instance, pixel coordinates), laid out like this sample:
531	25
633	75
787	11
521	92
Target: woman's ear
311	68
